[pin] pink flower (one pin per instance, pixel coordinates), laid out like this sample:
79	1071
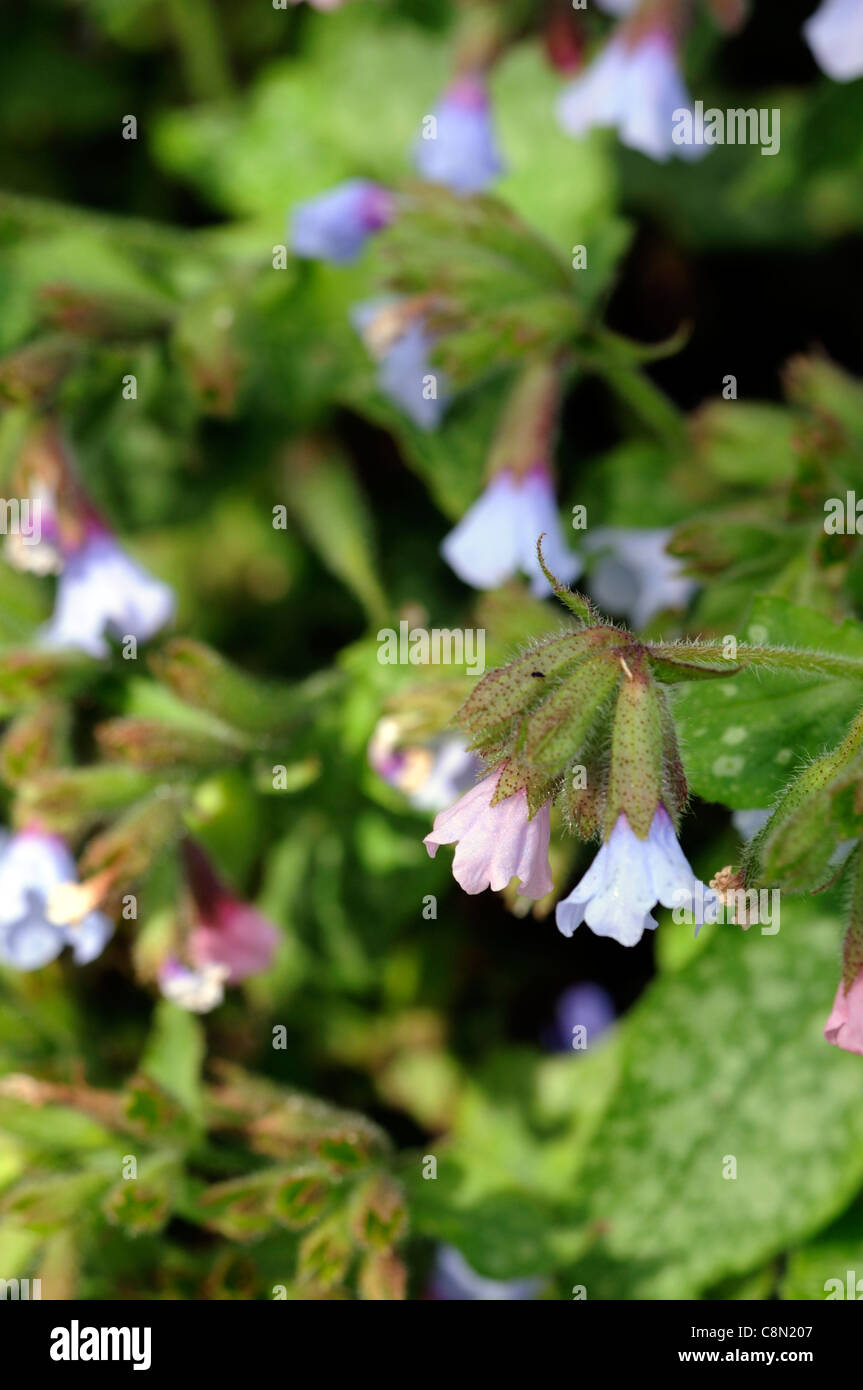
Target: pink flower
844	1027
229	932
495	843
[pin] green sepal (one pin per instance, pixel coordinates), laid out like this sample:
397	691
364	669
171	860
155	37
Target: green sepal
636	771
503	694
560	727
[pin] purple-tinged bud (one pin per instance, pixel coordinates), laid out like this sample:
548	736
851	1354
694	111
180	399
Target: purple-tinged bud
459	149
835	35
336	226
228	932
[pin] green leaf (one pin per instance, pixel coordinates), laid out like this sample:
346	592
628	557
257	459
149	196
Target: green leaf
507	1181
324	497
743	738
833	1254
725	1059
47	1204
56	1128
174	1054
289	139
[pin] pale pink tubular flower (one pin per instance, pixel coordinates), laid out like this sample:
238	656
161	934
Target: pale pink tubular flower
495	844
844	1027
229	932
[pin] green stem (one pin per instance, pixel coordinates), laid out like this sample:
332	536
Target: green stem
198	37
647	402
797	660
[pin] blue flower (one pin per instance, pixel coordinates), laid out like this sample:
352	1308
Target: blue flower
835	35
634	575
496	538
454	1280
625	880
459	149
103	592
586	1006
396	335
32	865
336	226
636	87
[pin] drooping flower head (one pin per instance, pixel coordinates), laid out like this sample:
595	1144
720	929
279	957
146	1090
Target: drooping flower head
496	538
634	86
336	226
228	932
642	791
627	878
457	146
844	1027
582	720
102	592
634	575
835	35
495	841
33	866
395	333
